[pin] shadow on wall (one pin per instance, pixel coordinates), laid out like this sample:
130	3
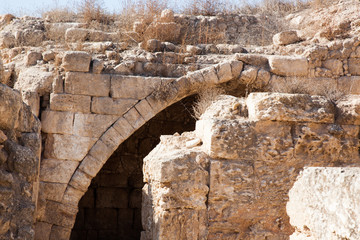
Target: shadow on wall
111	208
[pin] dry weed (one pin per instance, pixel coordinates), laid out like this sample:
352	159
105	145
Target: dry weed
298	85
204	99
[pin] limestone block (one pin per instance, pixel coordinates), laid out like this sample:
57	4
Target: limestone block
112	138
262	79
210	75
32	58
101	151
76	61
97	66
80	180
57	122
180	224
326	145
177	179
125	68
111	106
354	66
290	107
68	147
60	233
348	110
57	171
226	107
76	34
134	118
50	190
248	75
348	85
258	60
59	214
236	68
42	230
69	102
87	84
72	195
324	203
143	107
123	127
286	37
10	105
92	125
289	65
91	165
48	56
224	72
336	66
135	87
270	141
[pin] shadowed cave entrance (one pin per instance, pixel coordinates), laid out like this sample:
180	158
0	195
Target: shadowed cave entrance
111	208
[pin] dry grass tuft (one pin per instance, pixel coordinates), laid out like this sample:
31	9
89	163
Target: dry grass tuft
298	85
92	11
204	99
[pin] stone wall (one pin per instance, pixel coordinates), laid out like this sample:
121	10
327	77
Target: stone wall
20	148
230	179
111	207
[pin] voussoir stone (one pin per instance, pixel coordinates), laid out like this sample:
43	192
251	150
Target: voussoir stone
290	107
289	65
76	61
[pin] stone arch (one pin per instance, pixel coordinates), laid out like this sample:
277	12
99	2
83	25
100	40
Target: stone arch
59	200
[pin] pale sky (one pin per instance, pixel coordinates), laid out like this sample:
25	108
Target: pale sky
36	7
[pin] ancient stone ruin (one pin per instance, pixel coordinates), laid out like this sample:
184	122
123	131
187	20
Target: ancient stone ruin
98	138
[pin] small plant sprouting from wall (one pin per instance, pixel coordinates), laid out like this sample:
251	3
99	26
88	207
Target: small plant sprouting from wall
205	98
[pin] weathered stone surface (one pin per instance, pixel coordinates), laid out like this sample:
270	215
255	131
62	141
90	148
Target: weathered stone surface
92	125
69	102
9	108
288	65
336	66
32	58
354	66
87	84
91	165
134	118
224	72
124	127
132	86
76	61
59	214
348	85
286	37
145	110
67	147
52	190
57	171
57	122
290	107
76	34
326	145
323	204
111	106
348	110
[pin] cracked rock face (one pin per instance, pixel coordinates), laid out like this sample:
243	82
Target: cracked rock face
19	166
236	183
